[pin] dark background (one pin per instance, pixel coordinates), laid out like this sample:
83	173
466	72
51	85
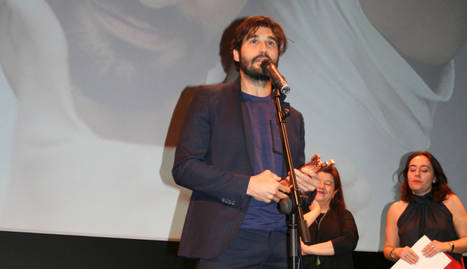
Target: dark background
29	250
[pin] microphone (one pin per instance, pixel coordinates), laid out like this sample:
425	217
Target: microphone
278	81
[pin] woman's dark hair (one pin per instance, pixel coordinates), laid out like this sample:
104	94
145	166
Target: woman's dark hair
251	24
337	202
440	188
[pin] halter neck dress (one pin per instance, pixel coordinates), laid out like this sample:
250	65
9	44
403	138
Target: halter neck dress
423	216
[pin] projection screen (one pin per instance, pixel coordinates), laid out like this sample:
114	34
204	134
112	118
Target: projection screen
92	94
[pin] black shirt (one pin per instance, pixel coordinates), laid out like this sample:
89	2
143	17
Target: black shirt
340	228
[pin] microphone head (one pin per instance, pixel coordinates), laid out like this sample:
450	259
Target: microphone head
278	81
285	206
265	63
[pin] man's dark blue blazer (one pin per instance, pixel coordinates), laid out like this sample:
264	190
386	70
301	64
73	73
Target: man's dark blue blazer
214	159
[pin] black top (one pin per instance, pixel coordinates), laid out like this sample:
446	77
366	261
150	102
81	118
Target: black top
423	216
340	228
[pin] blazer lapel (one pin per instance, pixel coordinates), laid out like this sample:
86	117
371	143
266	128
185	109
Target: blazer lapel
245	120
248	134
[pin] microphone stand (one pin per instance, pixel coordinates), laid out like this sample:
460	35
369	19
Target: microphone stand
296	213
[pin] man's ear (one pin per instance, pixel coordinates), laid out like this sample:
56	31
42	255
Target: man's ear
236	55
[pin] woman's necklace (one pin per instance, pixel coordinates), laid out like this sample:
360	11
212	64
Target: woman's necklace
318	262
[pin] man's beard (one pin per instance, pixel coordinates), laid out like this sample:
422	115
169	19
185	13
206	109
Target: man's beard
251	72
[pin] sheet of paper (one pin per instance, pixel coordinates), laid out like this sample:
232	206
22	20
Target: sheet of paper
439	261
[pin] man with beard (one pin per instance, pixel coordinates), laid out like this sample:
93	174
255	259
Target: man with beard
230	155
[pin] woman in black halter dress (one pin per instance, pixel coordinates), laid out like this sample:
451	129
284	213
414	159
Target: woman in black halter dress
427	207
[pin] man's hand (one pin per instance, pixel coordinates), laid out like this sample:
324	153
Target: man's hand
265	187
307	179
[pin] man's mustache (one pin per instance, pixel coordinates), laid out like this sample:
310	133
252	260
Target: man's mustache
261	56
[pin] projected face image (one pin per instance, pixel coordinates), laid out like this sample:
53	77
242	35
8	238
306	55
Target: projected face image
90	87
129	60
